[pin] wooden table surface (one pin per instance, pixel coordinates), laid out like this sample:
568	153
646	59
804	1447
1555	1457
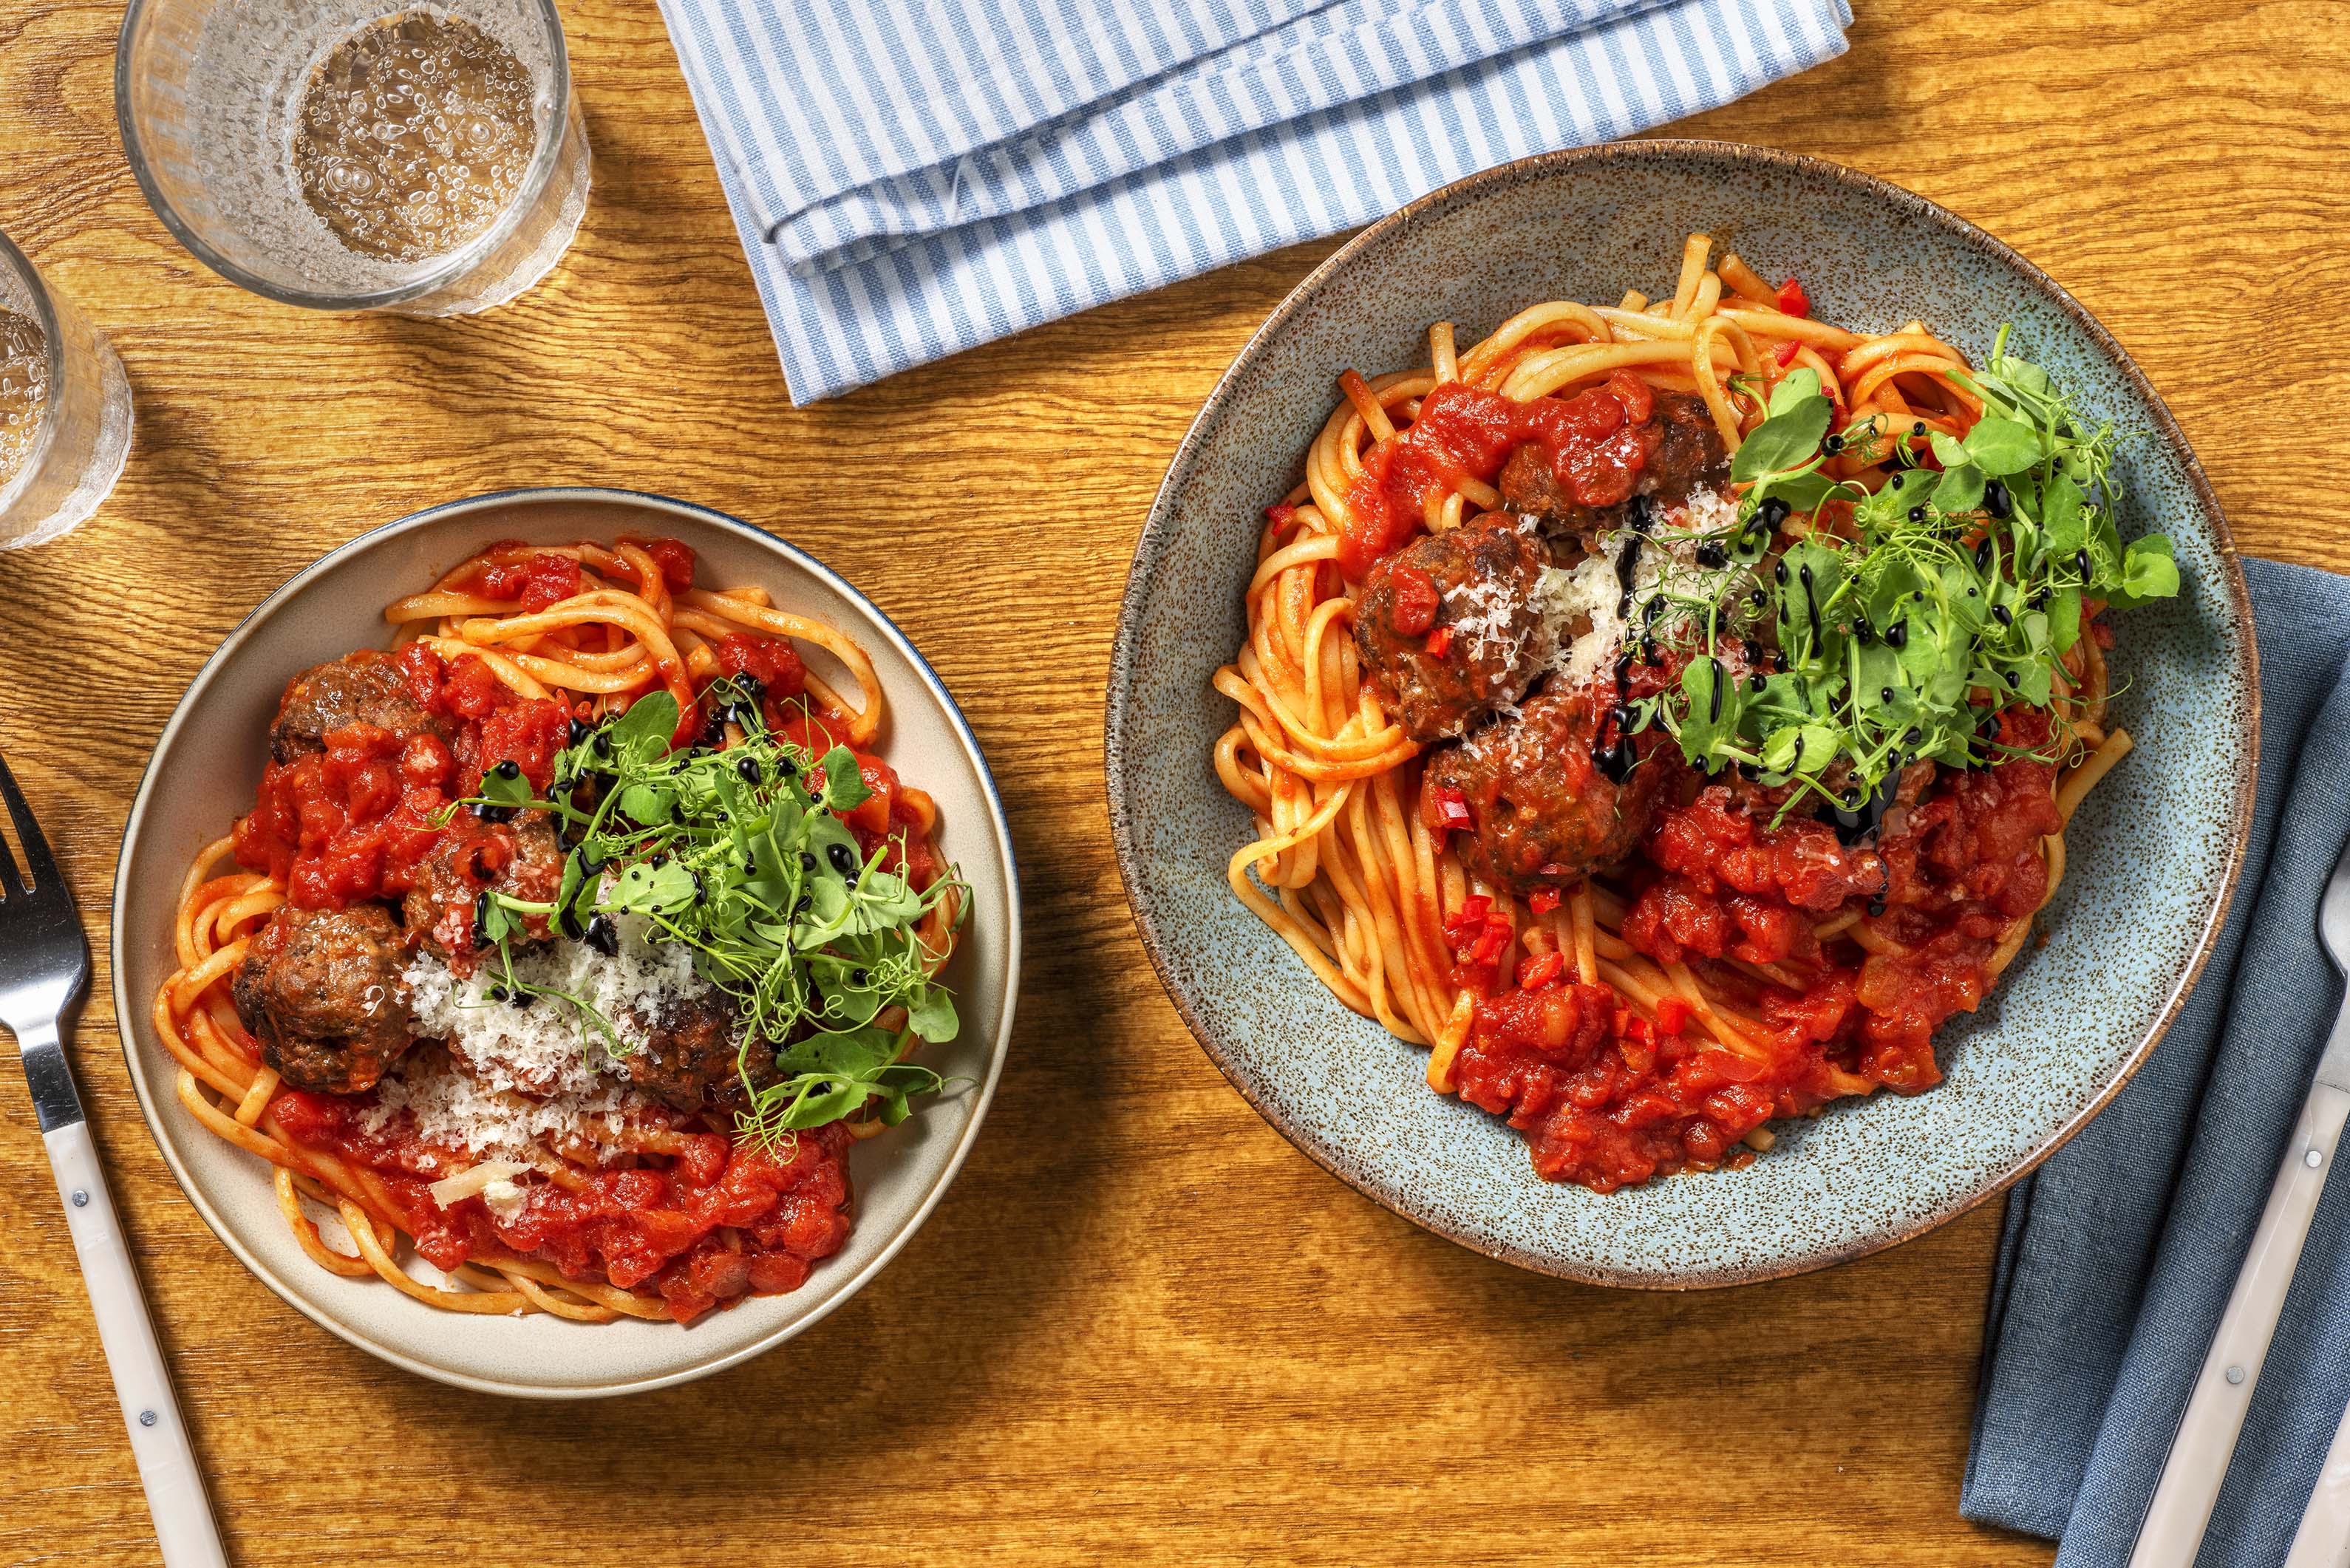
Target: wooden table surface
1141	1323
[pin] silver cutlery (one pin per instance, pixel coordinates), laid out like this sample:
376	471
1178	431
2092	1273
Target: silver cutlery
43	974
2180	1509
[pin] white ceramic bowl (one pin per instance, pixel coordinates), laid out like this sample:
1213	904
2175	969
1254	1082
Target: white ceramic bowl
203	775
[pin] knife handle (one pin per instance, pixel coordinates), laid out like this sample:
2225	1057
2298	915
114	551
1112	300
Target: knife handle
2181	1508
159	1439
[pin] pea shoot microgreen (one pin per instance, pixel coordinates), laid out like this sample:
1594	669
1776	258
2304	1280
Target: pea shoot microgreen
1951	596
739	855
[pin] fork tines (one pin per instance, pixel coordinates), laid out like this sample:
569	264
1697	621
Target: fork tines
40	871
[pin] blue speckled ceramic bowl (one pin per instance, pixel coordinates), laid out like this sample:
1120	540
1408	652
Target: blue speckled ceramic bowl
2126	934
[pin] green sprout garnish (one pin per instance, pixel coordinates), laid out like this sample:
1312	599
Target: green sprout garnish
1953	598
739	855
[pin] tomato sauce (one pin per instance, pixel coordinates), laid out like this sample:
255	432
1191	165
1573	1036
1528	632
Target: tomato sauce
770	661
638	1228
1597	442
353	822
538	580
1608	1098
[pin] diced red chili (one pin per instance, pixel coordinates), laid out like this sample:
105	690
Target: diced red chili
1469	921
1672	1015
1542	900
1439	642
1785	353
1492	942
1445	809
1793	299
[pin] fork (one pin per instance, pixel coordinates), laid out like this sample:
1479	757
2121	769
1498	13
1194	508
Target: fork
2180	1509
43	974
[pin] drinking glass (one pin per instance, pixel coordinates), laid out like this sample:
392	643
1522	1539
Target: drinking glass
220	103
65	409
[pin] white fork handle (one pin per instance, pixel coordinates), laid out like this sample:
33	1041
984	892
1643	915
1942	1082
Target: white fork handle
2323	1539
159	1440
2181	1508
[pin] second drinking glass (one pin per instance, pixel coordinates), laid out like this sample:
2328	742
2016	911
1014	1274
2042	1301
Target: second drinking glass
65	409
430	162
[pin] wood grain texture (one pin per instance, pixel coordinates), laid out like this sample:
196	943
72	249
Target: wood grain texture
1141	1324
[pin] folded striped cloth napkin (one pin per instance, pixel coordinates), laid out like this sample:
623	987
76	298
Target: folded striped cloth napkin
912	178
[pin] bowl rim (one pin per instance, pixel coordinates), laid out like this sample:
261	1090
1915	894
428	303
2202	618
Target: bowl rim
1125	652
130	1017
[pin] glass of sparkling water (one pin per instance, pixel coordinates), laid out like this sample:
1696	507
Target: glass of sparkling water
65	409
341	155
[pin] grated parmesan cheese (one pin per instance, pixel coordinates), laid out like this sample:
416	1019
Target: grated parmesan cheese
448	1109
1485	613
1707	512
547	1048
1591	594
505	1199
520	1076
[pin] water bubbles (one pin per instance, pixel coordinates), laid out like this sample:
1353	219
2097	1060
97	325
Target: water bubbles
348	180
414	134
24	389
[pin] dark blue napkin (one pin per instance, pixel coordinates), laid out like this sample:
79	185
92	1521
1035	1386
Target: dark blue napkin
2119	1254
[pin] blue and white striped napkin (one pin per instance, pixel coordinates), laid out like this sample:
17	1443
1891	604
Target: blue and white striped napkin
915	177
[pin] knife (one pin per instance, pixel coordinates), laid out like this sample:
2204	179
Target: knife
2180	1509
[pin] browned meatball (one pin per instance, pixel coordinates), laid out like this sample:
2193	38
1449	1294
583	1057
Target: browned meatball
363	688
521	859
688	1052
1542	812
1688	456
1529	485
321	990
1685	454
1448	624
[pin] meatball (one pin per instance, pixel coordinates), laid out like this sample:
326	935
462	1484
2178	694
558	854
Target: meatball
1530	484
1689	455
688	1057
1449	625
1685	454
321	990
521	859
1542	812
363	688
